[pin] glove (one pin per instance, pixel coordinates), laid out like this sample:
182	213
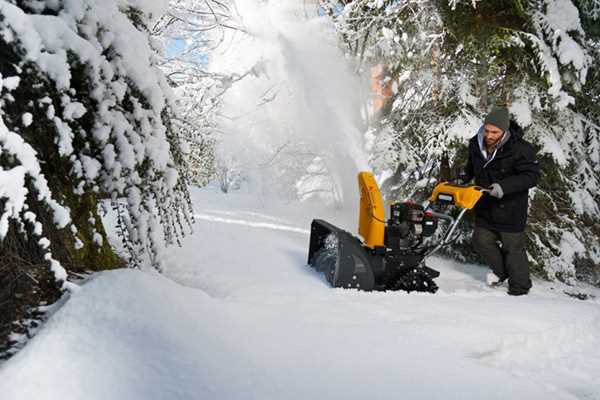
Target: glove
496	190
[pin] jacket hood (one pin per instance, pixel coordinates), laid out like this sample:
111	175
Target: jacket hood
515	130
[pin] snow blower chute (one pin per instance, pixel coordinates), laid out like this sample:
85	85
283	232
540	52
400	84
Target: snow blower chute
392	254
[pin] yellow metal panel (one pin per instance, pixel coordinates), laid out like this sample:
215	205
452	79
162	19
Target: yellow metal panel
371	223
462	196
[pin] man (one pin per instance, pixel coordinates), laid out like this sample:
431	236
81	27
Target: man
502	161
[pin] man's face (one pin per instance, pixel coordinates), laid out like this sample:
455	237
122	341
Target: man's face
493	134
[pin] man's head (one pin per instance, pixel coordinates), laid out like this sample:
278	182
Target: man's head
495	124
492	135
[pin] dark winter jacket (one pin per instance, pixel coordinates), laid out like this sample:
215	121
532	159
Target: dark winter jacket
515	168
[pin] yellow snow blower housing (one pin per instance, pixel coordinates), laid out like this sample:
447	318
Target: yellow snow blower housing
460	196
371	221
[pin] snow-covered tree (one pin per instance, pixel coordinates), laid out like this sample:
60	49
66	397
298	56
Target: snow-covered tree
448	62
189	32
86	114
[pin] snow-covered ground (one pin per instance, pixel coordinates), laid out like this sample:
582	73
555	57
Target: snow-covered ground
238	315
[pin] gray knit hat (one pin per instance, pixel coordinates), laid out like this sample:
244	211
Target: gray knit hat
498	117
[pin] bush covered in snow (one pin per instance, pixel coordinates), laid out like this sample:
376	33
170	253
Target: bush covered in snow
85	114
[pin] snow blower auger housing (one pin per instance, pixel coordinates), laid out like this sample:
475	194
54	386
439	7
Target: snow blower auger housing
391	255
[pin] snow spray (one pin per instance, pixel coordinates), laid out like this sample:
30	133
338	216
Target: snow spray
294	122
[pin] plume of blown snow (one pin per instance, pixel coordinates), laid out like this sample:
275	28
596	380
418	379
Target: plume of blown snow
294	121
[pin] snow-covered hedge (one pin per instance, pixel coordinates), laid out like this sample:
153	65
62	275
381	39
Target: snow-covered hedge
82	102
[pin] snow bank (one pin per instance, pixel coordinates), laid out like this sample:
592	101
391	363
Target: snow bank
247	319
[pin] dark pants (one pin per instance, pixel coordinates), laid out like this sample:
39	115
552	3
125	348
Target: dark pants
508	260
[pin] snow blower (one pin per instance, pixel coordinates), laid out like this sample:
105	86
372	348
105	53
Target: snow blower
392	254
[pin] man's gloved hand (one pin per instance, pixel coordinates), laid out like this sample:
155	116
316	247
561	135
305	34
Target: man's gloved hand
496	190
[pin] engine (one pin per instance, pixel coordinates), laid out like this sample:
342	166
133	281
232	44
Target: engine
408	224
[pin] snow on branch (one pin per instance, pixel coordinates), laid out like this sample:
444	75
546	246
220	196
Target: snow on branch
104	103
